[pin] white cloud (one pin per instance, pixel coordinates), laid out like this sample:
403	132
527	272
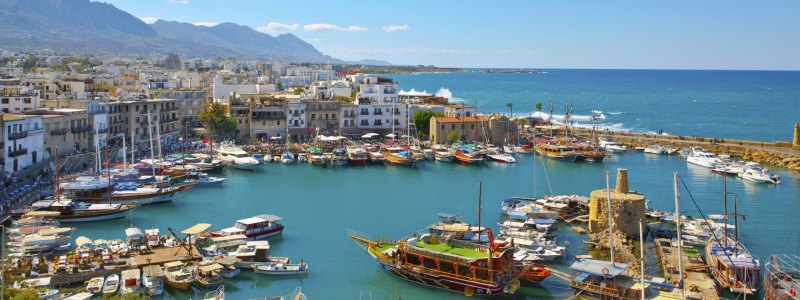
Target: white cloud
148	20
332	27
273	27
179	1
206	24
393	28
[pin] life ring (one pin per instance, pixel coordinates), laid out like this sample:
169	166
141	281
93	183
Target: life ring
469	291
685	275
605	271
675	282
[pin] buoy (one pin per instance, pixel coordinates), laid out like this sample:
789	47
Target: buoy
469	291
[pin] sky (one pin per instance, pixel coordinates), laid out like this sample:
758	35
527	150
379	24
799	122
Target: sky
614	34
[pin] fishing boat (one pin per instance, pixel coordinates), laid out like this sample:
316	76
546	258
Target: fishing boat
316	157
457	266
111	284
281	268
131	282
734	268
153	281
178	275
556	151
502	157
466	155
339	157
357	156
398	156
589	153
236	158
254	228
74	211
207	276
94	286
202	179
699	156
229	269
443	155
287	158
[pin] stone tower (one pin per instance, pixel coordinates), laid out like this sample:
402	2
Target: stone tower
796	140
627	208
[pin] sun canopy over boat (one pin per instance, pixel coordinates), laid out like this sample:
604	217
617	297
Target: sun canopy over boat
511	201
196	228
391	135
211	267
43	213
227	238
101	243
331	138
173	264
134	233
54	231
83	241
153	271
599	267
228	260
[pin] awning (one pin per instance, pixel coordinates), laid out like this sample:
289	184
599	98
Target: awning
211	267
101	243
173	264
83	241
225	238
153	271
196	228
269	218
228	260
391	135
599	267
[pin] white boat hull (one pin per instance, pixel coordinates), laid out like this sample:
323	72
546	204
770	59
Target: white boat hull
98	218
701	162
248	167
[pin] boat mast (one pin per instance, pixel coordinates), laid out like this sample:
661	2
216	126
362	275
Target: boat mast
124	154
725	201
480	199
641	256
735	220
57	189
133	147
108	172
610	221
152	155
534	162
98	167
678	221
158	140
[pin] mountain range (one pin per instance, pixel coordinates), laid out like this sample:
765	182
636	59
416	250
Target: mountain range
85	27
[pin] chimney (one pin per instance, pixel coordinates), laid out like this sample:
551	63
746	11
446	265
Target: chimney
622	181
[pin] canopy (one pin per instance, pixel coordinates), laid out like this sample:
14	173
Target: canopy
369	135
196	228
225	238
269	218
173	264
101	243
391	135
599	267
134	233
211	267
228	260
42	213
54	231
331	138
83	241
510	201
153	271
275	138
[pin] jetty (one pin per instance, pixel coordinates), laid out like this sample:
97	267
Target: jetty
698	283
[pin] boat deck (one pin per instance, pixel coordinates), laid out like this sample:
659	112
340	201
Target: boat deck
448	249
159	256
698	282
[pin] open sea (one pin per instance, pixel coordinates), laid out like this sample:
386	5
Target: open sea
318	205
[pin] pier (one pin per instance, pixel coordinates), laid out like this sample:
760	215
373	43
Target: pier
698	282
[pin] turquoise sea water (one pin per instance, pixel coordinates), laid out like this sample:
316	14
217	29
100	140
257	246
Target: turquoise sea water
318	206
751	105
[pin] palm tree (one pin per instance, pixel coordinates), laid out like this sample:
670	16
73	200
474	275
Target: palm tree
538	106
511	109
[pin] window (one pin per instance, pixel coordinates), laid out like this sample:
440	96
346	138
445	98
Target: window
442	126
453	127
471	126
463	126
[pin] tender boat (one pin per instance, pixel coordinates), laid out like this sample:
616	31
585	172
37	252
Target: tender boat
339	157
236	157
451	225
178	275
203	178
131	282
111	284
287	158
153	281
94	286
443	155
281	268
703	158
254	228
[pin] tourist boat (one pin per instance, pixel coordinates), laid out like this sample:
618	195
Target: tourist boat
398	156
316	157
468	156
253	253
733	267
153	281
502	157
287	158
111	284
457	266
201	179
254	228
94	286
236	157
444	155
703	158
281	268
121	193
452	226
357	156
557	152
655	149
74	211
131	282
207	276
782	277
178	275
590	154
753	172
339	157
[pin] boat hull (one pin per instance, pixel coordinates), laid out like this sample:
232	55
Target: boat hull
182	285
93	218
445	283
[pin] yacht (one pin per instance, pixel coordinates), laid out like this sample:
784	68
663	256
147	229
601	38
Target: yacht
502	157
236	157
655	149
287	158
611	146
254	228
754	172
703	158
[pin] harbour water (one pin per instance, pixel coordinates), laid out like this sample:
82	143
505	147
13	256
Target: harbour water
749	105
318	206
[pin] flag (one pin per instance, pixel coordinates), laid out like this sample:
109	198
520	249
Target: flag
205	141
309	129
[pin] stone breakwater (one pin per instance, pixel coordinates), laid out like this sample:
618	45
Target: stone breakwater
781	154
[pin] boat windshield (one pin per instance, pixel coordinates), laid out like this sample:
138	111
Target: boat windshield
241	155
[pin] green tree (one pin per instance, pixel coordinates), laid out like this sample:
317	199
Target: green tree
452	137
422	120
511	109
344	99
214	120
298	90
539	106
279	85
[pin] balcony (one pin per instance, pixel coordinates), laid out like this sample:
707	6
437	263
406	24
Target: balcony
103	130
17	135
118	122
18	152
378	112
79	129
59	131
169	120
170	109
269	116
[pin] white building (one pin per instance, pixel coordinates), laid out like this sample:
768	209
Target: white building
222	90
381	117
23	141
296	118
321	90
98	112
18	99
377	89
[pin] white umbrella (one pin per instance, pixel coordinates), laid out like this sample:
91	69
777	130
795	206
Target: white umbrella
391	135
369	135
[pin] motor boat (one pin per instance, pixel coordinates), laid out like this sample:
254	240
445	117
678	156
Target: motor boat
236	157
703	158
339	157
287	158
753	172
502	157
443	155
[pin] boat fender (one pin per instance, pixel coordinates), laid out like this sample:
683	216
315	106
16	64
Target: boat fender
685	275
437	263
469	291
421	259
605	271
793	293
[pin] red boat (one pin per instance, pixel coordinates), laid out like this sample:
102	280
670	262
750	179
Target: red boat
534	275
255	228
467	156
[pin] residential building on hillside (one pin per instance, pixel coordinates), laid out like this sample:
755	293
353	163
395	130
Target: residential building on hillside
22	141
68	129
18	99
467	129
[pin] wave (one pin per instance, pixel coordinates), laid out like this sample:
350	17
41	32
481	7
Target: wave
614	113
446	93
577	118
